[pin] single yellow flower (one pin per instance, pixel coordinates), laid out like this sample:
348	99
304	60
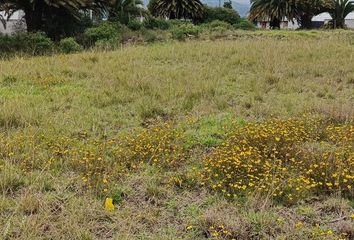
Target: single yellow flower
109	206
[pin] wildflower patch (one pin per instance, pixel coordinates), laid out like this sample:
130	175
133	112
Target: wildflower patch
283	159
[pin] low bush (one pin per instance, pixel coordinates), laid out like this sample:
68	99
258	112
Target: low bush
222	14
69	45
27	43
135	25
149	35
105	31
218	24
107	44
156	23
185	30
244	24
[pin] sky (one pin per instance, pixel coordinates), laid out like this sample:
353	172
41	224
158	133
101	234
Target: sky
242	6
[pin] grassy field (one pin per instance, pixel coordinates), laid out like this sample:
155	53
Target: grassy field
246	137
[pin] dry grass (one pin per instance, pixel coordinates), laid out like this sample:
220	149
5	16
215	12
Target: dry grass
75	129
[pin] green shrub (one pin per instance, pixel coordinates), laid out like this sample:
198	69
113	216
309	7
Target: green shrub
218	24
156	23
149	35
38	43
218	30
28	43
178	34
135	25
245	25
179	22
185	30
103	32
222	14
69	45
107	44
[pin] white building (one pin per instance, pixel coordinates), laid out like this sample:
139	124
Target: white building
14	24
284	24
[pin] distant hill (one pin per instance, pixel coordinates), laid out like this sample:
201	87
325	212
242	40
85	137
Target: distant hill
242	6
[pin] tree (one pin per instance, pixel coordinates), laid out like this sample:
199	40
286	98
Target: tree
274	10
339	9
228	4
177	9
124	10
220	13
36	11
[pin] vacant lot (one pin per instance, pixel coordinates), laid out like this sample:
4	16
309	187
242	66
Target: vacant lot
246	138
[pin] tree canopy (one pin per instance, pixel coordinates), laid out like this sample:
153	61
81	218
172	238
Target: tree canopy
177	9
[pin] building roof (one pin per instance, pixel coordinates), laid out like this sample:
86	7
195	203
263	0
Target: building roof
322	17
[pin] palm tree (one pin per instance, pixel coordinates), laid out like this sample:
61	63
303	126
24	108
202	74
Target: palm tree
124	10
274	10
178	9
339	9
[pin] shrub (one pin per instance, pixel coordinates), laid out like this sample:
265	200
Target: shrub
156	23
149	35
69	45
218	23
27	43
222	14
179	22
178	34
37	43
135	25
107	44
103	32
244	24
185	30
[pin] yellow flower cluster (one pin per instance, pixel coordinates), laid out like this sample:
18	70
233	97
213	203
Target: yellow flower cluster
285	159
98	161
219	232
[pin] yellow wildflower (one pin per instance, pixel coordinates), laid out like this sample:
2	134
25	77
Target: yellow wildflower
109	206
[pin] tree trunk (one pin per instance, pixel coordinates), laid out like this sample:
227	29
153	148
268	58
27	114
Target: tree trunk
340	23
275	23
306	21
34	16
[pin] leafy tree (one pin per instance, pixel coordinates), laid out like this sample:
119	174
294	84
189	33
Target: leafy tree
220	13
177	9
228	4
125	10
37	11
274	10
